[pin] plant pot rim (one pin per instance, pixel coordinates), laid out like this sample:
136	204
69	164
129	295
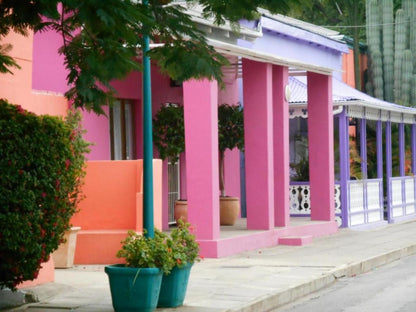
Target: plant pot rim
229	198
123	269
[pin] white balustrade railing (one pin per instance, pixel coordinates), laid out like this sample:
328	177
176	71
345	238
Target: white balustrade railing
300	200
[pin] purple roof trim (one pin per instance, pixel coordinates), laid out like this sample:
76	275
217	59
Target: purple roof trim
302	34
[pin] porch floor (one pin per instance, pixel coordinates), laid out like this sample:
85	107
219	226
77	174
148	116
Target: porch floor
237	238
240	227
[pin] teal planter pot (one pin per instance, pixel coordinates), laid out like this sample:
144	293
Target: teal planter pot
134	289
174	285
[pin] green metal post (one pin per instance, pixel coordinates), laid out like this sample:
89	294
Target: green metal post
147	142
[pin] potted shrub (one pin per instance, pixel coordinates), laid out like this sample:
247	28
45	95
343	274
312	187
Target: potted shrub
169	139
230	136
156	271
42	169
184	250
135	285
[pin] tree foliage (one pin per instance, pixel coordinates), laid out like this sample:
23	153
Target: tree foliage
101	40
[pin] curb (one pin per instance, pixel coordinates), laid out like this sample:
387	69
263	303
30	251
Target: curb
25	296
281	298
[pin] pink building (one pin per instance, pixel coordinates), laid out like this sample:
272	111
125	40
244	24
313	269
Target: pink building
261	58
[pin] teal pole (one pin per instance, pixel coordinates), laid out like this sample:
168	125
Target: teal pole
147	142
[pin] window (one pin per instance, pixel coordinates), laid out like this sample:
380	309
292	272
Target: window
122	130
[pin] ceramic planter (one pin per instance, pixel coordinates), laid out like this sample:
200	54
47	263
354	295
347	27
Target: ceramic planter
174	285
63	257
134	289
229	210
181	210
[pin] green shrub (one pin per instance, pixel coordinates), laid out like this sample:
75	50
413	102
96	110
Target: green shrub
41	173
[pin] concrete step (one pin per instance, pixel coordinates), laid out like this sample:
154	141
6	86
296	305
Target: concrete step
295	240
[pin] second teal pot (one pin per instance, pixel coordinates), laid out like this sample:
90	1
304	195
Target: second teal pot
174	285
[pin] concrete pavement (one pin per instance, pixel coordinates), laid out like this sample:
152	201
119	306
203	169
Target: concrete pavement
260	280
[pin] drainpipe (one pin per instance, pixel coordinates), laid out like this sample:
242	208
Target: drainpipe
147	141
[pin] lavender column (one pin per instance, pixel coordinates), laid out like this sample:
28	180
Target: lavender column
388	168
344	163
363	148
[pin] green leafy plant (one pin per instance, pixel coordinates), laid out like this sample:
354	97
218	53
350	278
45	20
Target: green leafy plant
183	246
162	251
42	170
169	131
140	251
230	134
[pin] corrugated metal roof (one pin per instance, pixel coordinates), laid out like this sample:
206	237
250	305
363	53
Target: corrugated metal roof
343	95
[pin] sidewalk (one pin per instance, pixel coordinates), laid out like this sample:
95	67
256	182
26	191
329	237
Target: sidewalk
252	281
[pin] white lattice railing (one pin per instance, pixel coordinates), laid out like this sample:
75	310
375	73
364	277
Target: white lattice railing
365	201
402	197
300	201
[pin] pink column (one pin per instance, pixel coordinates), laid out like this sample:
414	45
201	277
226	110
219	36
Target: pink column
201	140
281	146
321	146
258	135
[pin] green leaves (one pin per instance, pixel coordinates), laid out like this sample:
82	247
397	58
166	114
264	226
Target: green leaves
162	251
169	132
102	40
42	169
230	127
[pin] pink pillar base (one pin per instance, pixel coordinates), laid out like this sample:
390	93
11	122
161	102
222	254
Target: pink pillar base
263	239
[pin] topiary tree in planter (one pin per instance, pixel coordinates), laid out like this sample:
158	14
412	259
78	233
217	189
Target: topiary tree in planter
42	170
169	135
169	131
169	139
230	136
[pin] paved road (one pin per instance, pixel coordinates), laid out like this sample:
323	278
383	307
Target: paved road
391	288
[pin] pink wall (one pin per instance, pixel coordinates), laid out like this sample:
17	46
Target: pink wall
17	88
49	72
98	133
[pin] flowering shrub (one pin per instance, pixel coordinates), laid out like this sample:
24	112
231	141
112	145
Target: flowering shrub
182	245
42	169
163	251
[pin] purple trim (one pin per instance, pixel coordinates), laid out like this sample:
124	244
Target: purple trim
299	183
298	33
388	169
401	166
379	143
401	150
344	164
413	146
363	148
379	140
363	155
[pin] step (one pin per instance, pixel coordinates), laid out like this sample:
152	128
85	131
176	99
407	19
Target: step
295	240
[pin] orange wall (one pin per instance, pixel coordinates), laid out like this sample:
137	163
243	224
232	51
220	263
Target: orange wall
348	68
112	205
17	87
